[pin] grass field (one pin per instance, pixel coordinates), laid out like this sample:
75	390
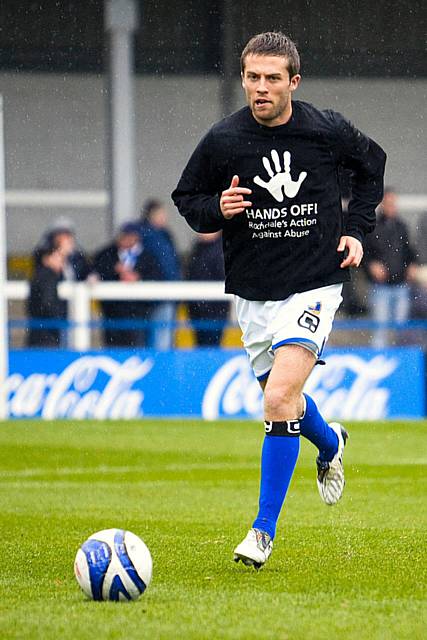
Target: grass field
189	489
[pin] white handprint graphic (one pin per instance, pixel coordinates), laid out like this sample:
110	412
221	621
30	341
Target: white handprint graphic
280	183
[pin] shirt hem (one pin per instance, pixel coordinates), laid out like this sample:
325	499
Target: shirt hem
260	293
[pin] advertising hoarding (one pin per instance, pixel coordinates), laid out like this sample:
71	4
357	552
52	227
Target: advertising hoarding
357	384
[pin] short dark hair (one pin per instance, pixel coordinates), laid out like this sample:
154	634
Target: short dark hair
149	206
273	43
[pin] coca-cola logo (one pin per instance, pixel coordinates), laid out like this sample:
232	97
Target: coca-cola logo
90	387
348	387
355	385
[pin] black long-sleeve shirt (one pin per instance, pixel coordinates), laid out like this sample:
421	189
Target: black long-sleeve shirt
286	242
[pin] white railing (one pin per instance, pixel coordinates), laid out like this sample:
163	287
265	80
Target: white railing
81	294
88	199
98	199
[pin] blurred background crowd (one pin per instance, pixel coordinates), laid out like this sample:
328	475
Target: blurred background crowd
143	249
390	288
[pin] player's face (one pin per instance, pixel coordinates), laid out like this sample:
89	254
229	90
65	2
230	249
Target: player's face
269	88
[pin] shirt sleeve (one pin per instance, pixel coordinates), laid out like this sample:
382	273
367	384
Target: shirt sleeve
365	160
197	194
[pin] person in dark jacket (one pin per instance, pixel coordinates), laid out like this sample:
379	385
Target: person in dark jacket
268	176
391	267
206	262
126	260
158	240
44	303
61	235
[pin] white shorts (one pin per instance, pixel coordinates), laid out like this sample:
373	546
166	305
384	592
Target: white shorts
303	318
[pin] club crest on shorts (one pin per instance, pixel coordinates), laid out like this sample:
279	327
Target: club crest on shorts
309	320
315	308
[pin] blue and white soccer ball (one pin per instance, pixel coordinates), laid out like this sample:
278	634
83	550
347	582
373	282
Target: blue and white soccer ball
113	564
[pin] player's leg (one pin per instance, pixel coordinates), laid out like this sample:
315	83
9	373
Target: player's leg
299	325
282	406
330	440
253	319
307	320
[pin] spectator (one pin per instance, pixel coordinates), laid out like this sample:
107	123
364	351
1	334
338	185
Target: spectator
391	267
206	263
61	235
158	240
126	260
43	302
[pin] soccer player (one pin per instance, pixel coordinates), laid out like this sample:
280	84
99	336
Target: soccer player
268	176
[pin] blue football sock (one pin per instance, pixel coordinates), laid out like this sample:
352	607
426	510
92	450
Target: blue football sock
315	429
278	460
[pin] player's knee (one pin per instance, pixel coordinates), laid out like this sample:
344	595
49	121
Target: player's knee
280	403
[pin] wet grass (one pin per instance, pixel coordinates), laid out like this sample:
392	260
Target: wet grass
189	489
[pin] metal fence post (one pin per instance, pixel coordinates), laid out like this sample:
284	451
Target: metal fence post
79	315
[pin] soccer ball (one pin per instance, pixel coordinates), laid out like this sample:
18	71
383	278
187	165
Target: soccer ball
113	564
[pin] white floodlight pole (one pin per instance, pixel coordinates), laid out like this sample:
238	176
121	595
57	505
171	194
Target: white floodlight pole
228	56
4	334
121	22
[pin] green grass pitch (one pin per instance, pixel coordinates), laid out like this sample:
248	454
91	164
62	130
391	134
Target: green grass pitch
189	489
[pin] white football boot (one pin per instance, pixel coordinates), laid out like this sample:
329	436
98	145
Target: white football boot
330	475
255	549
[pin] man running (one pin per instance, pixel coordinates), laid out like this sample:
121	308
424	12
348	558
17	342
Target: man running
268	177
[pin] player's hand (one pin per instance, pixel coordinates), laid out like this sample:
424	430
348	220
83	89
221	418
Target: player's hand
232	199
354	251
